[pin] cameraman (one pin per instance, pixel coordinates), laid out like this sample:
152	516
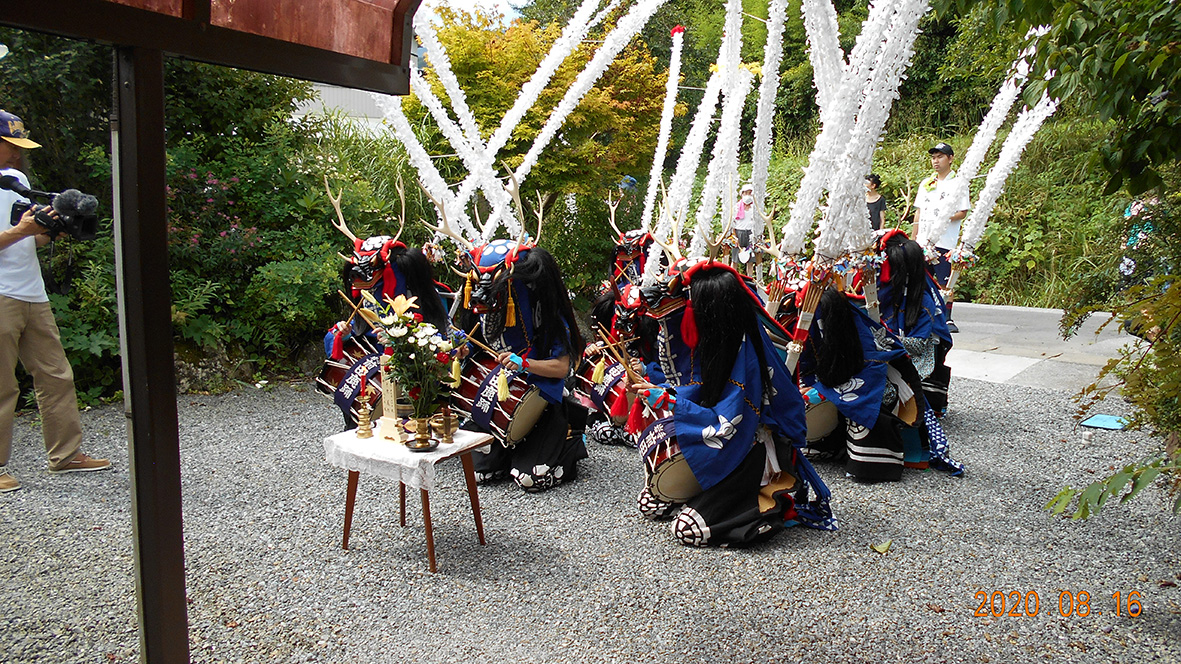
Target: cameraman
28	331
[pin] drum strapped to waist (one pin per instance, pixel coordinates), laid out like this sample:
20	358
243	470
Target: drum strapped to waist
821	418
669	477
340	379
509	420
604	394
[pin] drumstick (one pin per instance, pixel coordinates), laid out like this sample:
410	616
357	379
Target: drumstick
621	342
631	375
472	339
366	315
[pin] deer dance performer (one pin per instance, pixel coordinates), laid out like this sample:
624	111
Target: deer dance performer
515	307
913	309
386	268
732	417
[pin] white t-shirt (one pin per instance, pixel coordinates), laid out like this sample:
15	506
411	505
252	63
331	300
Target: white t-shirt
747	222
20	273
927	197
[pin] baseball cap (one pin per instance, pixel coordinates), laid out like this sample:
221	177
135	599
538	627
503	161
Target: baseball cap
12	129
942	147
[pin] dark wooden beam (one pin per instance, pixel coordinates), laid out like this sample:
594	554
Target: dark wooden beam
196	39
149	378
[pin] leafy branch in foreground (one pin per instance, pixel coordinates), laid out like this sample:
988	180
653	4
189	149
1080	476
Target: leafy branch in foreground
1147	299
1134	477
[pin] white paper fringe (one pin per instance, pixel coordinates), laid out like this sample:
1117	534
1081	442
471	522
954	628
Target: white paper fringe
768	89
656	175
1028	122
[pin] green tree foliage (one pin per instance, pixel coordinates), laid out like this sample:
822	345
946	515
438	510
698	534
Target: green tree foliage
252	255
1120	60
610	134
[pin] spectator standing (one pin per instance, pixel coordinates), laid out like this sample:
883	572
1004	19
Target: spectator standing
875	201
940	185
742	257
28	331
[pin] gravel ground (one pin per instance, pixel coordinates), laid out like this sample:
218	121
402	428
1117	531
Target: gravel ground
574	574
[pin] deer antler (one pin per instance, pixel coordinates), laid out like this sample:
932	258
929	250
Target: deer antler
906	207
613	207
340	225
515	192
673	248
769	226
401	188
540	212
444	227
721	237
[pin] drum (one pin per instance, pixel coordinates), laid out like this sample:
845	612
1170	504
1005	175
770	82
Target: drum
509	420
340	379
822	420
601	396
669	476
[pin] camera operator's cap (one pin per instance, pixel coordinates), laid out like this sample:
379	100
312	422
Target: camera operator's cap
942	147
12	129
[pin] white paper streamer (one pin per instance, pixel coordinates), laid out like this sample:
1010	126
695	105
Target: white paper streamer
391	107
768	89
603	14
845	226
824	49
1028	122
730	54
442	65
722	175
837	126
935	221
680	188
666	125
620	37
472	157
572	35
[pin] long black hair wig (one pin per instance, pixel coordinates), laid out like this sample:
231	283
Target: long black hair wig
908	275
835	342
538	272
725	314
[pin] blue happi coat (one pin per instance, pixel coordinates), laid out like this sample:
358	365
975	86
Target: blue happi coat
519	338
716	439
932	318
860	398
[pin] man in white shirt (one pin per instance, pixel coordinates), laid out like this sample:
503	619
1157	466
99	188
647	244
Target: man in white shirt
28	331
934	191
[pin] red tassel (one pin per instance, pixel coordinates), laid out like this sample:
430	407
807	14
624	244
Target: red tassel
885	272
389	282
619	408
337	344
689	327
635	419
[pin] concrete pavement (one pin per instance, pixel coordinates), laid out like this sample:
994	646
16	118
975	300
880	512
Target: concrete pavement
1022	346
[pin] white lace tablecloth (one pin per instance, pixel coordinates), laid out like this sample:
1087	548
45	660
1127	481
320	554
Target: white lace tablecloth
378	456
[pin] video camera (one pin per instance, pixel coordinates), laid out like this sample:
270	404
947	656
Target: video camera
75	210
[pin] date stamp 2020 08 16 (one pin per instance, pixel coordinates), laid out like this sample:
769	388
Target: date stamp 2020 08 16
1026	604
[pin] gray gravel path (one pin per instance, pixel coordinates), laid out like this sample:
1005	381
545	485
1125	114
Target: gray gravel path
575	575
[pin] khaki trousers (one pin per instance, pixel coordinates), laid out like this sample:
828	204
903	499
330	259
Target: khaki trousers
29	333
